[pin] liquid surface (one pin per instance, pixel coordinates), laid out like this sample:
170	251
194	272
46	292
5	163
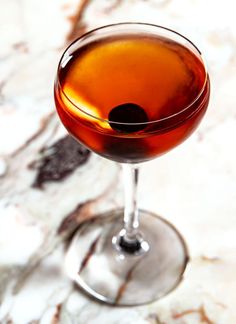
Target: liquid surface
160	76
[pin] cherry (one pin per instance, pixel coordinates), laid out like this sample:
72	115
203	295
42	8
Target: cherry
128	118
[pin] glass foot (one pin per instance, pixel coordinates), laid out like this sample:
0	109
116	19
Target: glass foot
122	278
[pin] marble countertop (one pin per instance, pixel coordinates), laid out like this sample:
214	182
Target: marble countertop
43	198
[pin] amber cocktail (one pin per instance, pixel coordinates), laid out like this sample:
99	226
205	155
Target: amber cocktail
130	92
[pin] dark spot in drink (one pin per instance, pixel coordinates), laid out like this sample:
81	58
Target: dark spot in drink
128	150
127	118
58	161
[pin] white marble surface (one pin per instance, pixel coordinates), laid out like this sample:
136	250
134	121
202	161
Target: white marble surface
194	186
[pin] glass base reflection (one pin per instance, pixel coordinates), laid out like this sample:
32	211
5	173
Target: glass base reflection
102	268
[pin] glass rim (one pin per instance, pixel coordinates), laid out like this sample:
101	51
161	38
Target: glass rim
85	35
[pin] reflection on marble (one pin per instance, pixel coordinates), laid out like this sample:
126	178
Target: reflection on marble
194	186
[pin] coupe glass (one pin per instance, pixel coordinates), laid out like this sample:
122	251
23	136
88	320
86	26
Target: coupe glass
130	92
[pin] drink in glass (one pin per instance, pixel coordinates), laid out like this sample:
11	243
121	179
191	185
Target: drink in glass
130	92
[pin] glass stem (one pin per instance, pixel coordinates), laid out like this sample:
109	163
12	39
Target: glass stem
130	239
131	222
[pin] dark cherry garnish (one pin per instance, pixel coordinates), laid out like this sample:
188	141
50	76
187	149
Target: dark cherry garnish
128	118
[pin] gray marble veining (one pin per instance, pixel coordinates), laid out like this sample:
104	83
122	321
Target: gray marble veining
194	186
